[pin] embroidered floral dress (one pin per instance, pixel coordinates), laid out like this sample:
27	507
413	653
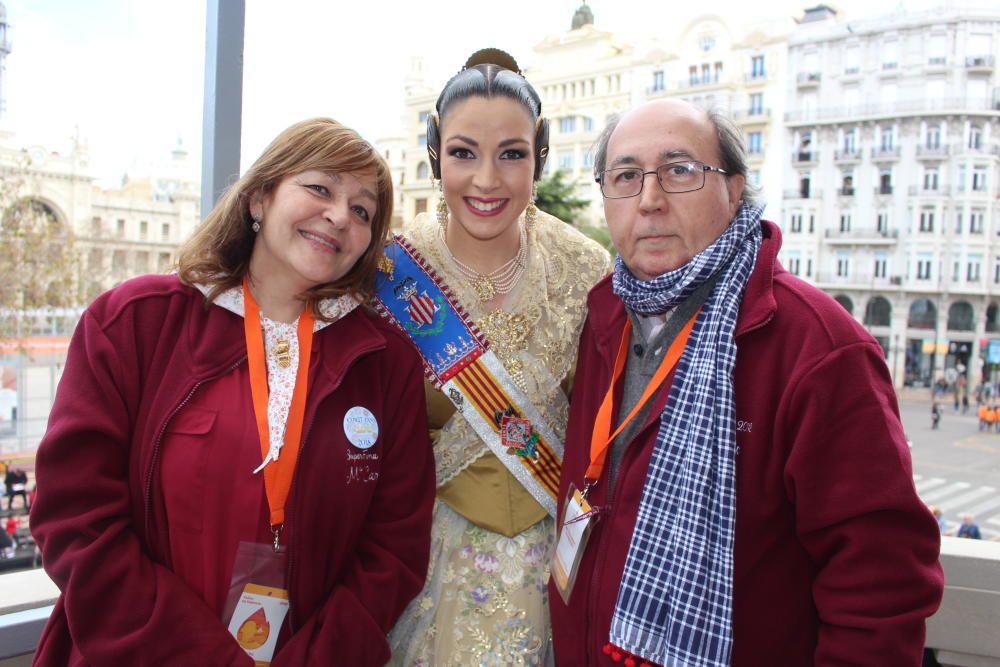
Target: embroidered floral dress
485	599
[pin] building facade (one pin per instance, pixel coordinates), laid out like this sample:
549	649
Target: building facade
585	75
118	233
891	186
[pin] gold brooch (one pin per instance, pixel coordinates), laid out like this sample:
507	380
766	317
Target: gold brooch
283	353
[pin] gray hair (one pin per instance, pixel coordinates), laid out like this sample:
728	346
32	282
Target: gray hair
732	149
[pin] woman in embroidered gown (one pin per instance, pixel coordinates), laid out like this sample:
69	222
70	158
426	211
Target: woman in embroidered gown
148	483
522	276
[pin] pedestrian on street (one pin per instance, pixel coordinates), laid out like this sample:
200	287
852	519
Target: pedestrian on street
939	516
969	529
11	529
16	482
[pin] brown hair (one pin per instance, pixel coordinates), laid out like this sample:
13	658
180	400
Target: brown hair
218	253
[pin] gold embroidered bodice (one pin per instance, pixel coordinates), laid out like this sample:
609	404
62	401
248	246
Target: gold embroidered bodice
535	337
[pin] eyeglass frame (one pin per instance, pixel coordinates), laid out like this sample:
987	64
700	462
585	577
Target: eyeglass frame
704	169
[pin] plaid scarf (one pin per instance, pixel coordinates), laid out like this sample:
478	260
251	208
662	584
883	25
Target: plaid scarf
675	603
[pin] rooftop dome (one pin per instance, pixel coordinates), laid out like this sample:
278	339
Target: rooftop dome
583	16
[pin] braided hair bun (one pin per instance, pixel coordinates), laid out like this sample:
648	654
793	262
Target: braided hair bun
491	56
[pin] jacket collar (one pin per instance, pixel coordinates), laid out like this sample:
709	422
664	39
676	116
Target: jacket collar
607	312
216	341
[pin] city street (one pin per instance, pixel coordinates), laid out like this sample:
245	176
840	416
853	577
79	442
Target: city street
956	467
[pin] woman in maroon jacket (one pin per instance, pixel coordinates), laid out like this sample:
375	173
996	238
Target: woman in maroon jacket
236	468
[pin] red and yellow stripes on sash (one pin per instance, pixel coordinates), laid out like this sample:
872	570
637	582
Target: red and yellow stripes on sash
489	398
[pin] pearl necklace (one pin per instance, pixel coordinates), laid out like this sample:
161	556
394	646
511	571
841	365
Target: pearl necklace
500	281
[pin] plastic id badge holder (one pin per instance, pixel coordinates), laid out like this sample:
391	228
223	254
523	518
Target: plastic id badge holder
258	599
578	521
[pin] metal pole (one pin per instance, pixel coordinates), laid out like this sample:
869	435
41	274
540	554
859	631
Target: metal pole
222	123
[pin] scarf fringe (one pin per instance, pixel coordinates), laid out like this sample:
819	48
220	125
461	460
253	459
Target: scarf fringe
618	654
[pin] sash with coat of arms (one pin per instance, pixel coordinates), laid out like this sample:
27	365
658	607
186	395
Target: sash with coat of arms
458	362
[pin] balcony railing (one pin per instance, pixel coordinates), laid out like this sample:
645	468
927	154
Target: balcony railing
703	82
910	107
802	156
941	191
883	190
885	153
980	63
861	235
799	194
983	148
859	279
963	631
934	151
752	115
807	79
847	155
755	77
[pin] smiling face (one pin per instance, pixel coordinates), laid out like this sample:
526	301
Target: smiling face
487	165
314	227
657	232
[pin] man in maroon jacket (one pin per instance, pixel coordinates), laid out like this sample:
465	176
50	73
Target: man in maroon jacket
734	445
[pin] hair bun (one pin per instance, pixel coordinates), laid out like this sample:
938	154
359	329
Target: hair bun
493	56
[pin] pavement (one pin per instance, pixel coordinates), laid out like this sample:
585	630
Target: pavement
955	467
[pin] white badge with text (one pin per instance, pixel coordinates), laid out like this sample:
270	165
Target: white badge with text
578	520
360	427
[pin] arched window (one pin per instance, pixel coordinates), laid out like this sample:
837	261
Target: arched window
960	316
423	171
878	312
923	315
993	318
846	302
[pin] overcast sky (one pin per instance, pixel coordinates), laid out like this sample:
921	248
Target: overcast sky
130	75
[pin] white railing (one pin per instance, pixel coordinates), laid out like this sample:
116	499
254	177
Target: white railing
963	632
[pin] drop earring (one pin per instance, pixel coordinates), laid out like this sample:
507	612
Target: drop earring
442	208
531	212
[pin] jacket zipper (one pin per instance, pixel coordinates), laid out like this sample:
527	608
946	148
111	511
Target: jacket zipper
292	616
602	557
290	570
148	510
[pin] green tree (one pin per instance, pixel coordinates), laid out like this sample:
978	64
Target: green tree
557	197
38	262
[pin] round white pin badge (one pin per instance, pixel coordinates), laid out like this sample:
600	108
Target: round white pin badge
360	427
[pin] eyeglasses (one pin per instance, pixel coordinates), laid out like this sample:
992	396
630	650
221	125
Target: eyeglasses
686	176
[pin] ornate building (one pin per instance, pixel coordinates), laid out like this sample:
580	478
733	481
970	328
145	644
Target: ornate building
120	232
891	186
585	75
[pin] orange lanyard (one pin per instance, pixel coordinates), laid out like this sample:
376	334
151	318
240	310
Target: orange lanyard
277	474
602	436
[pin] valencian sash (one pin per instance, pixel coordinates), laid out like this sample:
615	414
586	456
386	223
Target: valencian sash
459	363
